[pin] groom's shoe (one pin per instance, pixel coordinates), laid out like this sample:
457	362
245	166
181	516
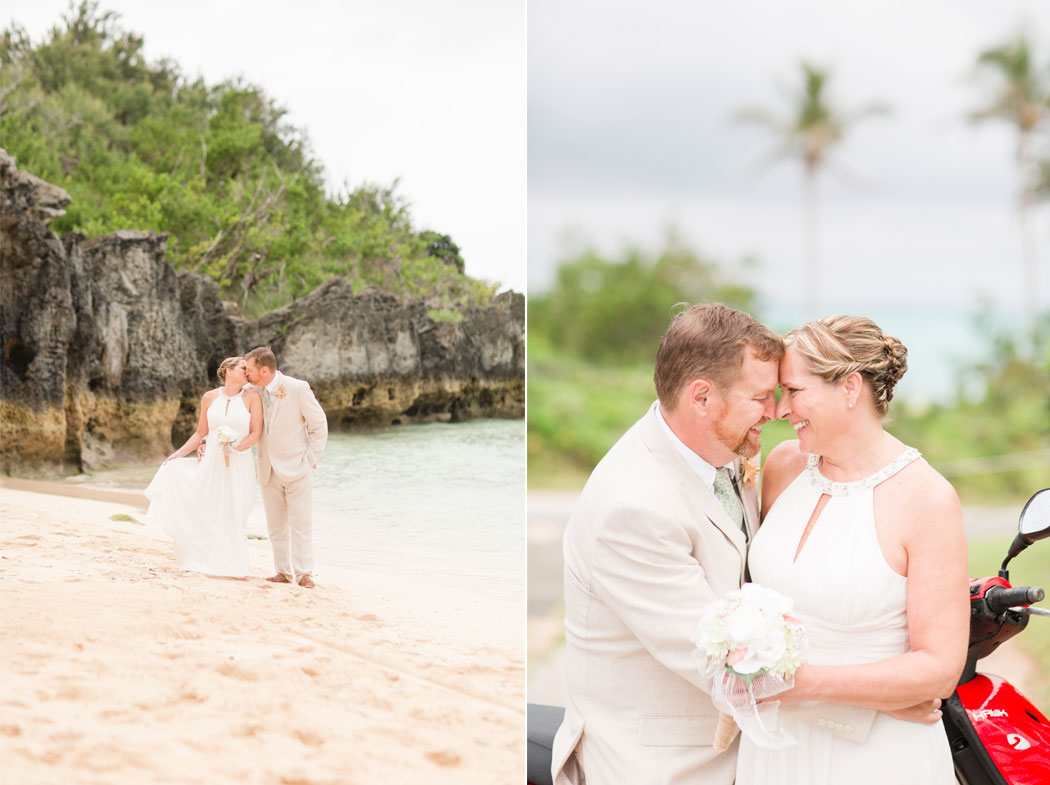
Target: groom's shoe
306	581
278	578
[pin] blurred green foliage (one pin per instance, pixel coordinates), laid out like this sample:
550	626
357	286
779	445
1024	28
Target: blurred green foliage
138	145
615	311
590	371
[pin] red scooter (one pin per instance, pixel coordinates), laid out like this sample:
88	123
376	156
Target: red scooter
997	736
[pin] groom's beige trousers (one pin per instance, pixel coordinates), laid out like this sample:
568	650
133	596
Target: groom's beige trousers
288	519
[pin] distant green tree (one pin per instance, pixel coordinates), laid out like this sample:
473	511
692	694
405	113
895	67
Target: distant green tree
442	247
139	146
808	132
1018	94
615	310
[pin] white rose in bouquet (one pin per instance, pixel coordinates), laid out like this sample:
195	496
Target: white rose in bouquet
752	647
224	434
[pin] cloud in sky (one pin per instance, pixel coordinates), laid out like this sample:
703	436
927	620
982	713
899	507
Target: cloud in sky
431	93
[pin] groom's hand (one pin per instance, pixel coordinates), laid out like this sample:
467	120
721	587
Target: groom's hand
926	713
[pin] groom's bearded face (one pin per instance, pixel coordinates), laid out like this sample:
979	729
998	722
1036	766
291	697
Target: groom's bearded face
746	406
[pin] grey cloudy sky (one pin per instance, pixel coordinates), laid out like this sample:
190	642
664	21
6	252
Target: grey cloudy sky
630	129
431	93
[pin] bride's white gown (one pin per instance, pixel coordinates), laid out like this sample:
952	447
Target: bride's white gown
854	608
204	506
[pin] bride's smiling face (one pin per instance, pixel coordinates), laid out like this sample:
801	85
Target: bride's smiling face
811	405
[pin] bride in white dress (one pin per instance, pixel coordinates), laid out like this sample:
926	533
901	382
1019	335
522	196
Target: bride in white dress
204	505
868	540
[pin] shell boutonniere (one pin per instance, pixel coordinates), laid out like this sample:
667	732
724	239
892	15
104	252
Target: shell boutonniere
280	392
750	472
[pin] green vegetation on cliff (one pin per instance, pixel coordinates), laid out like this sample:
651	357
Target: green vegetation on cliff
138	145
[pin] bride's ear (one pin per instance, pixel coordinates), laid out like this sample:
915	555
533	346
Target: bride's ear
851	387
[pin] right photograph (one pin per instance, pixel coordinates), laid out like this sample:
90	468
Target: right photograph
788	393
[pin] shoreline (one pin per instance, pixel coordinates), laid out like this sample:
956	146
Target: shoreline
120	668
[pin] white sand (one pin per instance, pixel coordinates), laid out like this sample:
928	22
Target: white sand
115	667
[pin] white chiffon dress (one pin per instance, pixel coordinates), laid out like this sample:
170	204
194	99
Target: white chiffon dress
204	506
853	606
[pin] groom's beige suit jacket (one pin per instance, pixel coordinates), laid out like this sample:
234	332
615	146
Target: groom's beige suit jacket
295	431
647	547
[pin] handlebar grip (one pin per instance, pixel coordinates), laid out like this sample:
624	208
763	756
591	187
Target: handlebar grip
1000	599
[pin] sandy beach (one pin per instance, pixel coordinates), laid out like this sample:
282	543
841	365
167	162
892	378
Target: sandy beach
119	668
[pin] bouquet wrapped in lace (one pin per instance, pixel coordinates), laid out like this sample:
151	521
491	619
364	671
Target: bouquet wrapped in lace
751	647
224	434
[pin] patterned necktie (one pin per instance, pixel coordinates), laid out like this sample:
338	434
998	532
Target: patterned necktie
727	497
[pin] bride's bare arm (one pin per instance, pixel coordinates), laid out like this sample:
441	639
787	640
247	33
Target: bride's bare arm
202	428
255	409
783	464
925	523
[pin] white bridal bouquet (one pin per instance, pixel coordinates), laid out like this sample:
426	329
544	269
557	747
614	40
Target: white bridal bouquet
224	434
752	647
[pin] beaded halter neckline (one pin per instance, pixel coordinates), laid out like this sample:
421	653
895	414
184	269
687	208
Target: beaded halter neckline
847	488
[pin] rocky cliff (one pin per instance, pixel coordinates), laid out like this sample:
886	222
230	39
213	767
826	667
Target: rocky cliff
107	349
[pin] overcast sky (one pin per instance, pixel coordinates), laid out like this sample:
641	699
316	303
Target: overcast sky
630	129
431	93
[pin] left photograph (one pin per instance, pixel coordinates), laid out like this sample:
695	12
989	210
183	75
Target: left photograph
262	392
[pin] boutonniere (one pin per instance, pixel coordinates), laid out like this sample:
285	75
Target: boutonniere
751	471
280	391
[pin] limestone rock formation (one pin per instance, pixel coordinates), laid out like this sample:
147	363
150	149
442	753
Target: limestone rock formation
107	349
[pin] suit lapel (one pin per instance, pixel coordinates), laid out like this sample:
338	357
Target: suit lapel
699	495
274	402
749	496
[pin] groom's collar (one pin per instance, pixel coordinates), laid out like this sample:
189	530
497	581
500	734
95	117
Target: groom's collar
275	382
702	469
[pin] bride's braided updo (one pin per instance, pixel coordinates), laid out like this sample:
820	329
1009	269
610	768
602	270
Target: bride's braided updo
836	346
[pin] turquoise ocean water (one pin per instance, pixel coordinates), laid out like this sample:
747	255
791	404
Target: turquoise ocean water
438	500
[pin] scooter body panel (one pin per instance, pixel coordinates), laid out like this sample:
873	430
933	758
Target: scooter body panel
1015	733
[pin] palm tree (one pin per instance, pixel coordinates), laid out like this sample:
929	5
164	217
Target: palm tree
1019	97
808	133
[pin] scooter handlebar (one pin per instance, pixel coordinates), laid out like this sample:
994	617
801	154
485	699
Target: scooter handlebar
1000	599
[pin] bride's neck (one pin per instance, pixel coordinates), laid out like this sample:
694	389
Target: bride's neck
859	453
231	389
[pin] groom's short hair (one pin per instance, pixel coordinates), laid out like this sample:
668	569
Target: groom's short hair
707	342
263	357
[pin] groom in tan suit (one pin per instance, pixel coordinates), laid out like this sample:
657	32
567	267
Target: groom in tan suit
661	530
294	435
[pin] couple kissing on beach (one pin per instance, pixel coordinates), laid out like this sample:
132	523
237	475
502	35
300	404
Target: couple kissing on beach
203	503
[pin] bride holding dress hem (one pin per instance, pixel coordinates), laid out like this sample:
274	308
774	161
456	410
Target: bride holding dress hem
204	504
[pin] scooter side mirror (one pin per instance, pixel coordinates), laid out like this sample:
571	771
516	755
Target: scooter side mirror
1035	518
1034	524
